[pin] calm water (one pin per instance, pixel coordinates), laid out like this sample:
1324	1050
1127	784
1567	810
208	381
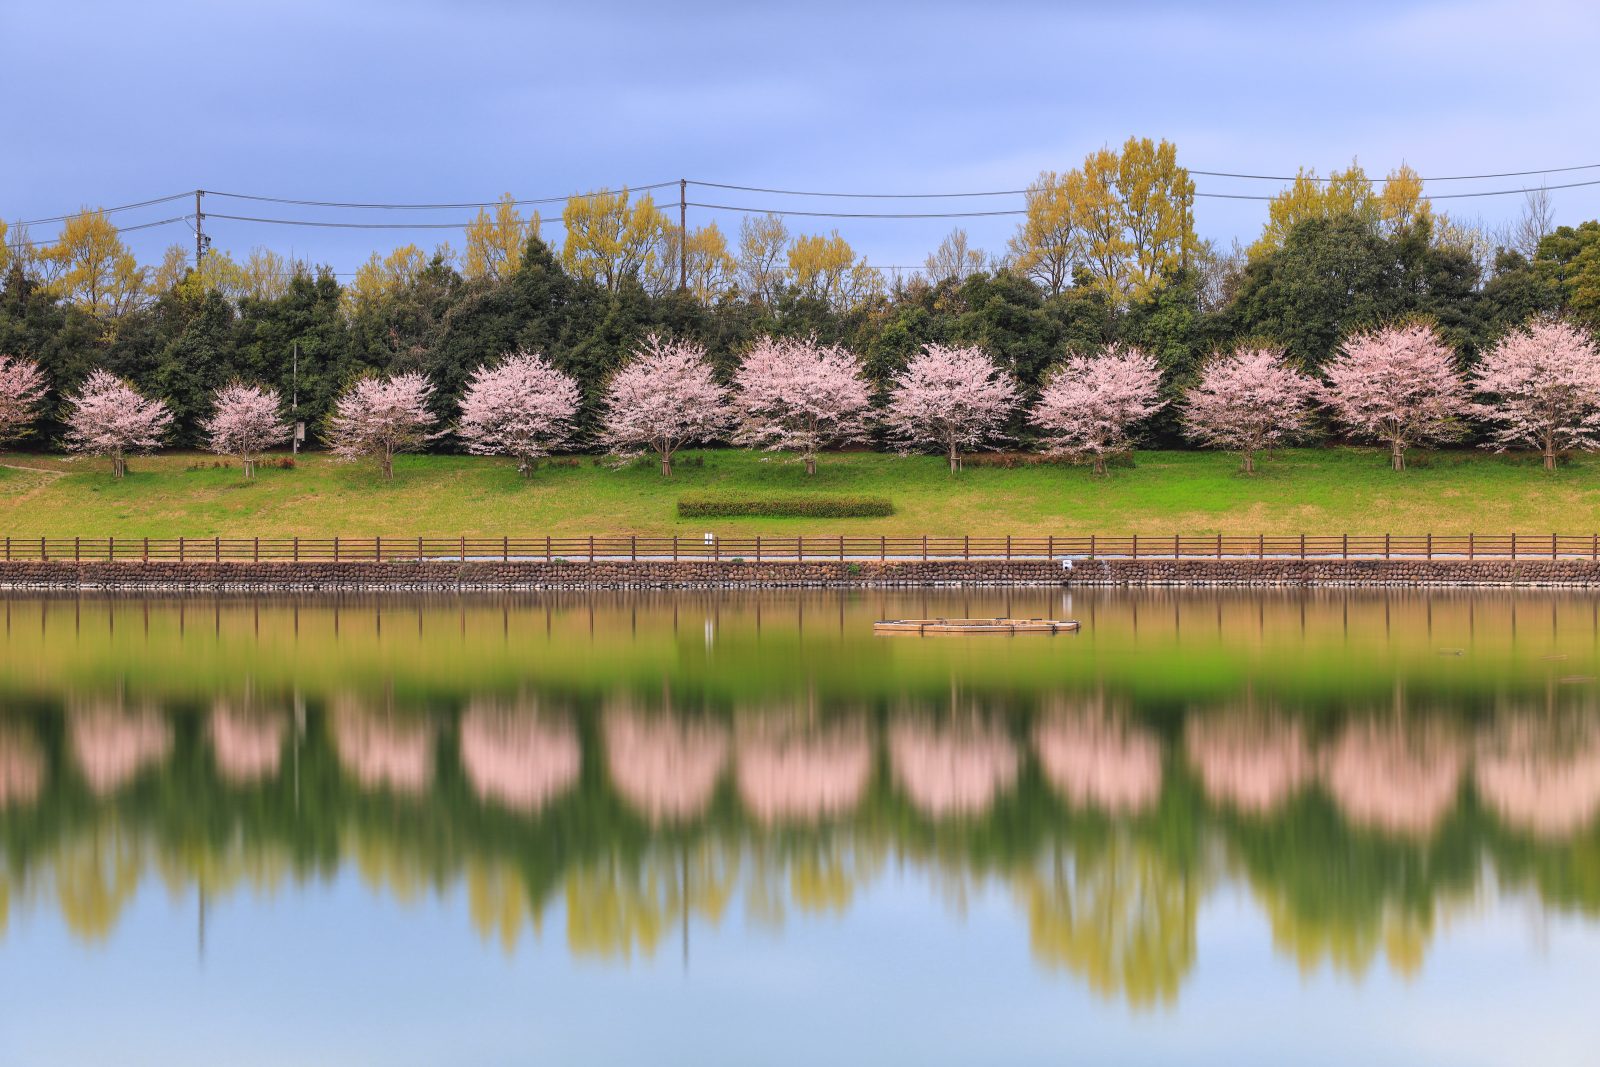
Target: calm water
703	828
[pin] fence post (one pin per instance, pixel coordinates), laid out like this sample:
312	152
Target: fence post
758	548
505	549
44	554
1008	548
296	549
716	547
8	548
1091	546
1513	548
1594	546
1219	544
180	549
419	550
674	548
547	549
1429	549
841	548
216	549
633	547
883	547
1472	546
77	550
462	547
1175	546
1346	549
924	548
966	546
1552	546
1385	546
1135	546
377	548
1302	546
1050	547
336	548
255	551
111	549
591	548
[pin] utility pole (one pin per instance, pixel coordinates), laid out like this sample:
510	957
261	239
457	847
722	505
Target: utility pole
199	229
683	233
294	403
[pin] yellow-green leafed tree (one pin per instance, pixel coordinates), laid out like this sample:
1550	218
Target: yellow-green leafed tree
1097	207
384	276
1345	192
495	243
1048	245
89	266
707	265
827	268
611	239
1155	195
763	252
5	251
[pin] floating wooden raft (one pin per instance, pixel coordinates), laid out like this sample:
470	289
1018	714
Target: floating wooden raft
975	626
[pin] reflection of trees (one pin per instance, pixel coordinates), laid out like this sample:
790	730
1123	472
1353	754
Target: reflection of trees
96	875
499	901
665	767
1253	762
1394	774
1116	912
248	742
113	744
1097	759
518	757
787	771
21	767
1541	774
954	769
380	748
617	907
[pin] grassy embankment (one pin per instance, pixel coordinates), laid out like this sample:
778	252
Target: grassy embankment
1323	489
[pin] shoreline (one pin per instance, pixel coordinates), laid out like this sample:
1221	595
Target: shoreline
438	576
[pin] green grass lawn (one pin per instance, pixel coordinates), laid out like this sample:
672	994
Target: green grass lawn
1314	490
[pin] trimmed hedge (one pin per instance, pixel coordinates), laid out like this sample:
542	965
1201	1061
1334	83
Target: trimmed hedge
782	506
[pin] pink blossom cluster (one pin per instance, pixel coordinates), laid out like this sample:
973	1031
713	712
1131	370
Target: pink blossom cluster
800	396
109	417
1398	385
1249	401
22	389
381	417
246	420
1543	386
662	399
1090	404
952	398
521	406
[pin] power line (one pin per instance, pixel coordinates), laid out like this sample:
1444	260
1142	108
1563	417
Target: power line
339	225
1445	178
368	205
106	210
858	196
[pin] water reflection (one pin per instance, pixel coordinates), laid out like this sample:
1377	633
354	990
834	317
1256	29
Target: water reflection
636	779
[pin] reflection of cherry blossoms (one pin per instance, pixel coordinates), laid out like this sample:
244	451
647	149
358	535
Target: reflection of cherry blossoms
666	768
1393	776
112	744
518	757
957	769
248	744
1098	760
381	749
1253	763
788	772
21	767
1541	776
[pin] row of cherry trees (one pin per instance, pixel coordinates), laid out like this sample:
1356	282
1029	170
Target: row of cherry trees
1399	385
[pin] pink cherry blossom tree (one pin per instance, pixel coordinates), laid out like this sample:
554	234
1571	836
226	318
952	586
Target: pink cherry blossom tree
22	389
1249	401
1543	386
800	396
951	398
1090	404
520	406
381	417
245	421
662	399
109	417
1398	385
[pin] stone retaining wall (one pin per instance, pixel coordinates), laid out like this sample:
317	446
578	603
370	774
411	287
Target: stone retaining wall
475	575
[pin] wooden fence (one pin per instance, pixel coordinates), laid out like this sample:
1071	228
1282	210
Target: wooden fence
761	547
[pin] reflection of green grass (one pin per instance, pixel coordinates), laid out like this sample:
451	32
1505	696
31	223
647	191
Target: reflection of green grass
1327	489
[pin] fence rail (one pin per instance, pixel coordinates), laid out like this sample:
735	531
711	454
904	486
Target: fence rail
761	548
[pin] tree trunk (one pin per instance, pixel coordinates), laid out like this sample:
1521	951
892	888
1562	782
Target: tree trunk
1249	462
1549	456
811	463
249	468
1099	464
119	466
1397	456
955	458
666	464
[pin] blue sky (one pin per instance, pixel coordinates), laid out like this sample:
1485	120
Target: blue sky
427	100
